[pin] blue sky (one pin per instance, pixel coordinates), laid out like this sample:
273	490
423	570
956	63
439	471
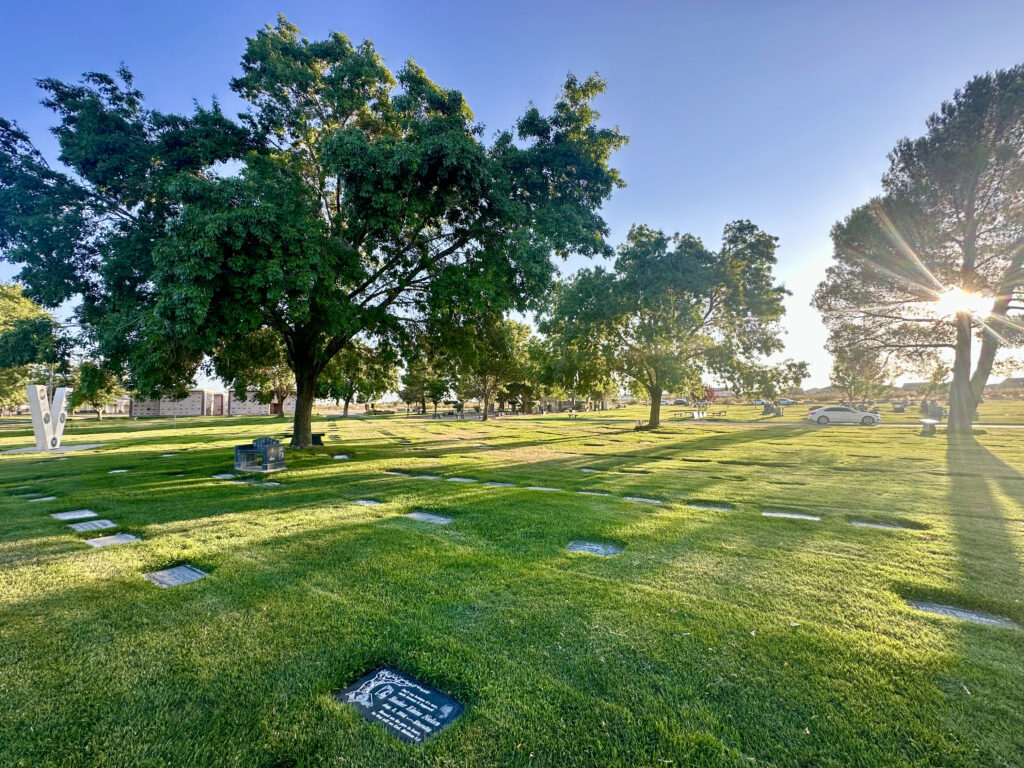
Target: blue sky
778	112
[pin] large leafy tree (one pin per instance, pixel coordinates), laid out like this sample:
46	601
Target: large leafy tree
256	367
489	359
33	348
427	375
97	386
359	373
364	202
672	309
933	268
858	370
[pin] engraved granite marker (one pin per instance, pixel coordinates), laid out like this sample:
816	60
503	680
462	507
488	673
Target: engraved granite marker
601	550
408	709
174	577
429	517
75	514
109	541
92	525
974	617
789	515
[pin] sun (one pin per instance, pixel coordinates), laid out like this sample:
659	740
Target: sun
956	300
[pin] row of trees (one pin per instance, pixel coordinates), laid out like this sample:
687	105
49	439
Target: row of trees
351	214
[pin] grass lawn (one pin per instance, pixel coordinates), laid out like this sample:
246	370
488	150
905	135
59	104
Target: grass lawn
719	637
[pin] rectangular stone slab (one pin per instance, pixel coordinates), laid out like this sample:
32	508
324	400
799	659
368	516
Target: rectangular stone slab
340	456
365	502
460	480
429	517
601	550
789	515
407	708
495	484
45	498
593	493
174	577
974	617
117	471
92	525
643	499
109	541
74	514
541	488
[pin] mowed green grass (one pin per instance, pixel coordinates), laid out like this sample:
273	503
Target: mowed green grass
717	638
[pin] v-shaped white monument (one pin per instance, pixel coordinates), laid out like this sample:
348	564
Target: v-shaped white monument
48	419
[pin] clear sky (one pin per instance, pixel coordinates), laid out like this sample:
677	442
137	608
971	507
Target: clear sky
778	112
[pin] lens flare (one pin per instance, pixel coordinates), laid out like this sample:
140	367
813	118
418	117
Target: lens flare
956	300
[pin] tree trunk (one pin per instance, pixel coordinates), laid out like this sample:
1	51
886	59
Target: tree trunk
962	399
305	380
423	402
487	400
99	413
345	410
655	420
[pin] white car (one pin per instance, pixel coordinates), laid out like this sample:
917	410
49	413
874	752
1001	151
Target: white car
788	401
840	414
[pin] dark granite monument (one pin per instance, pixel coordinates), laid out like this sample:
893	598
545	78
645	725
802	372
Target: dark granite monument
264	454
410	710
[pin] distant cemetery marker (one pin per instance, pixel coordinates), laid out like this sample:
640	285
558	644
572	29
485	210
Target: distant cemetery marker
174	577
593	548
789	515
429	517
92	525
408	709
974	617
109	541
75	514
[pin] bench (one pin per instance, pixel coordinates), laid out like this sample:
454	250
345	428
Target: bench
928	427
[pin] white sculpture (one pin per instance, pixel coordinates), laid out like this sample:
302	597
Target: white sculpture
47	420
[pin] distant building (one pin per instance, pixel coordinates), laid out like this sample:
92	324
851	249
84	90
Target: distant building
252	407
198	402
913	386
723	392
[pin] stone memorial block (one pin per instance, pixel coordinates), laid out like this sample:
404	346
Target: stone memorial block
429	517
109	541
75	514
264	454
175	577
974	617
92	525
789	515
714	506
410	710
601	550
45	498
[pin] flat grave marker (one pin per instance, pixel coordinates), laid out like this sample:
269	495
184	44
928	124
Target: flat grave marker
26	495
74	514
460	480
429	517
224	476
45	498
975	617
496	484
879	526
394	472
712	505
117	471
408	709
588	469
593	493
541	488
167	455
426	477
644	499
789	515
340	456
593	548
270	484
175	577
110	541
365	502
92	525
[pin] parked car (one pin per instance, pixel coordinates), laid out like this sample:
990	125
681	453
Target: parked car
680	402
664	402
787	401
762	401
840	414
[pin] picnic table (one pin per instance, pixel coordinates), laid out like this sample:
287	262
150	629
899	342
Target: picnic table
928	427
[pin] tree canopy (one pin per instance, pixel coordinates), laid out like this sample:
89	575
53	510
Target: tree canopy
935	263
364	204
672	309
